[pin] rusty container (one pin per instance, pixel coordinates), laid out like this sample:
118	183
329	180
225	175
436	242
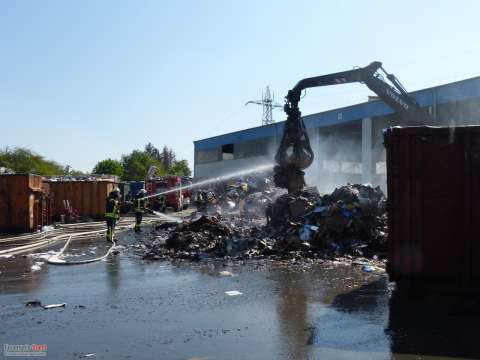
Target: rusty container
80	198
433	180
23	203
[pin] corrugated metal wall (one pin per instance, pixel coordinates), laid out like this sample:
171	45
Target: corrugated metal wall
87	198
433	177
21	203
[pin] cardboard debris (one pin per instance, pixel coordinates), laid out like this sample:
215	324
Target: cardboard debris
351	220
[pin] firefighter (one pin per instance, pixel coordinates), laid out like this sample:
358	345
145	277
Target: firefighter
200	200
139	205
112	212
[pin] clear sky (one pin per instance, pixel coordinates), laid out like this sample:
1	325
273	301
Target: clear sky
81	81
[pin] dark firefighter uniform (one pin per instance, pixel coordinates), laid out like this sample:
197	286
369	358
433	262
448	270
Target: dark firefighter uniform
139	206
112	212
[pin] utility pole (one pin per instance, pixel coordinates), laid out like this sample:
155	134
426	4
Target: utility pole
268	103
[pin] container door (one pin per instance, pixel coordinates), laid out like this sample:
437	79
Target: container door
405	245
441	167
473	223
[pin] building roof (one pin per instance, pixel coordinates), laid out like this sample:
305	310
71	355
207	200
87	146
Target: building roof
456	91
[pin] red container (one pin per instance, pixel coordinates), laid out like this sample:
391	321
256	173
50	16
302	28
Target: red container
433	180
24	203
85	198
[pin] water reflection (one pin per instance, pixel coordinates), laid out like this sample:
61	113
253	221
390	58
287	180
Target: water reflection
113	272
353	324
16	274
292	311
434	326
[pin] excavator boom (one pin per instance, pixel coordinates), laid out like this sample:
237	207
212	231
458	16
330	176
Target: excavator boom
295	154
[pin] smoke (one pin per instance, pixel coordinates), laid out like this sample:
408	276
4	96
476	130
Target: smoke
338	160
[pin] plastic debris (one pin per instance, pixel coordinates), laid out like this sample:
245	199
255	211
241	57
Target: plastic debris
37	266
233	293
52	306
6	256
306	232
372	268
368	268
88	355
225	273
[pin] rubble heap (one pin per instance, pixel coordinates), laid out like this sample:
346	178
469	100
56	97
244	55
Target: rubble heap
350	220
206	235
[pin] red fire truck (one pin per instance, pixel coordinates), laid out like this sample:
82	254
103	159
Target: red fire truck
174	196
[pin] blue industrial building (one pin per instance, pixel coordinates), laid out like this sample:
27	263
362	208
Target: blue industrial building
347	141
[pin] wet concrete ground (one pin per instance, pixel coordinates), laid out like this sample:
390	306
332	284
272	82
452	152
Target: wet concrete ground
128	308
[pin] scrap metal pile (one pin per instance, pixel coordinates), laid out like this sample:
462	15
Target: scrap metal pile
351	220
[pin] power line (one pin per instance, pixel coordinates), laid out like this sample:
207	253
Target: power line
268	103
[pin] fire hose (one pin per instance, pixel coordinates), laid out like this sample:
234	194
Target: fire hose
58	259
71	232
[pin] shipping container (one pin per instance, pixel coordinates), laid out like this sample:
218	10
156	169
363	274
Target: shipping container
433	182
80	199
25	203
136	186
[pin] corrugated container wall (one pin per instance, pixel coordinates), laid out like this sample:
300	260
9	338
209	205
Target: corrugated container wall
433	179
87	198
24	203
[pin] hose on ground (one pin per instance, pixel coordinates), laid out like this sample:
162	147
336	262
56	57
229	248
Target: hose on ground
62	233
58	259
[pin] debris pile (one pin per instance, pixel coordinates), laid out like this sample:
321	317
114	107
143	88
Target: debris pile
351	220
207	234
248	195
257	203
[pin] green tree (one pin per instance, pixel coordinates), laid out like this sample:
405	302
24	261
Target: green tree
167	157
68	170
180	168
153	151
22	160
109	167
136	165
76	172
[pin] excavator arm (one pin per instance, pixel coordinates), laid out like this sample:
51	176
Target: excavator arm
295	154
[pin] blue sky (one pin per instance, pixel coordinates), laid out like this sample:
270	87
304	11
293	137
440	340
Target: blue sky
81	81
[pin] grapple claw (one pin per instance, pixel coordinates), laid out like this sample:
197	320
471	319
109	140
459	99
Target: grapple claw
294	153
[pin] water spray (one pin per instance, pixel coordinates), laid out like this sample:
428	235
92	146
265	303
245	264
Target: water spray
260	168
166	217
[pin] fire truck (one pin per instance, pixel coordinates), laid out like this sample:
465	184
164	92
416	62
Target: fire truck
171	190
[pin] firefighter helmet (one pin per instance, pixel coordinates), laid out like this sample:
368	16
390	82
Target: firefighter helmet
115	193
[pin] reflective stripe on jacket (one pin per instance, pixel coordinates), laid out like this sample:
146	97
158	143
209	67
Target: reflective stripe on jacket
139	205
112	210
